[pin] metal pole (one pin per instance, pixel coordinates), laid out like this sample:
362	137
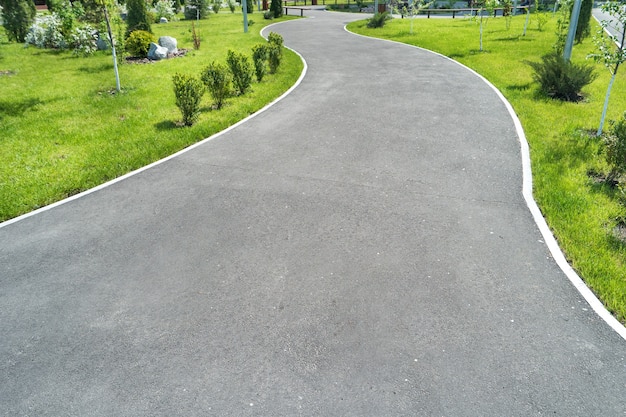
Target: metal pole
573	24
244	3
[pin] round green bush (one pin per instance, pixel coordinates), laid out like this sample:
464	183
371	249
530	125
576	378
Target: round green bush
138	43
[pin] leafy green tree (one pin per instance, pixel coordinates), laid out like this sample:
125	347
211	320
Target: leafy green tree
196	9
17	17
137	18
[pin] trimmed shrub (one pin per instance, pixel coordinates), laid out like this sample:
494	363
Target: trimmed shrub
276	39
275	56
217	79
188	91
378	20
583	29
216	7
138	43
241	70
268	15
260	54
137	18
249	6
17	17
615	149
561	79
276	7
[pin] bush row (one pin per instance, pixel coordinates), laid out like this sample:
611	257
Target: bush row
225	80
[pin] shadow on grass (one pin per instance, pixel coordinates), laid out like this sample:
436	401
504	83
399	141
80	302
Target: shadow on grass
17	108
94	69
166	125
457	55
519	87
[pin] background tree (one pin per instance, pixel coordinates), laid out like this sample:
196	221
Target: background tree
196	9
137	18
276	7
17	16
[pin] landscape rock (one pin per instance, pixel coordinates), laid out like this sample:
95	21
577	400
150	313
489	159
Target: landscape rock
170	43
163	20
157	52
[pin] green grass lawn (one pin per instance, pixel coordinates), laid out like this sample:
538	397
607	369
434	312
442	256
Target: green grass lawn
582	212
63	132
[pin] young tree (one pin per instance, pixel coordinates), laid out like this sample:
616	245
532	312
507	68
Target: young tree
17	17
484	12
611	49
137	18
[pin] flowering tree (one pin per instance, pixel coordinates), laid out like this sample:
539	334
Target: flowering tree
610	49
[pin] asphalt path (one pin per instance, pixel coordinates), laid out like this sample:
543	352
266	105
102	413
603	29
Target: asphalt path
361	248
614	27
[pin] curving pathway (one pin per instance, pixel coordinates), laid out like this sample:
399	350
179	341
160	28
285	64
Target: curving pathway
361	248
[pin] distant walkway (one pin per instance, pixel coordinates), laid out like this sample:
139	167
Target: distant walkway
361	248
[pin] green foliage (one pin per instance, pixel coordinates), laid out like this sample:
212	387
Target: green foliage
232	6
378	20
583	29
137	18
275	56
249	6
241	70
276	7
196	9
17	17
260	54
562	25
217	80
138	43
188	91
615	149
275	39
216	6
268	15
560	78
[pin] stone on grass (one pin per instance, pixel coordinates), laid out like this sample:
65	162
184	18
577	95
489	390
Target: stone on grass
157	52
163	20
170	43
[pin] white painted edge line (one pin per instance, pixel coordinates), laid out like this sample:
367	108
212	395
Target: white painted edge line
527	192
182	151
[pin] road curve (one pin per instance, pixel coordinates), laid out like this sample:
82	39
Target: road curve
361	248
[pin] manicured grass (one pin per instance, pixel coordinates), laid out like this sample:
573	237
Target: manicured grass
582	212
64	132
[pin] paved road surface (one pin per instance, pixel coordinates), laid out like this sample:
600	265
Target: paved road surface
362	248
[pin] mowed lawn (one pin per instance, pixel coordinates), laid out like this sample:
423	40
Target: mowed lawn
584	213
62	130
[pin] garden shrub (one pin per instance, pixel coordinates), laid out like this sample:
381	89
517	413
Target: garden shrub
198	9
560	78
138	17
217	79
378	20
268	15
260	54
241	70
583	29
615	149
164	8
275	55
276	7
17	17
188	91
249	6
84	40
46	33
276	39
232	6
138	43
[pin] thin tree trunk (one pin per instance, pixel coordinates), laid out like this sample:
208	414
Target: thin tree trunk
117	74
606	104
